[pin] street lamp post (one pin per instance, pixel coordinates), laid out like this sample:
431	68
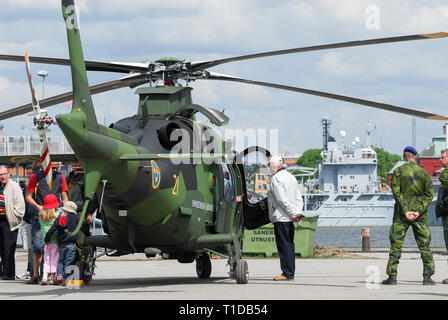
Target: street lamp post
43	74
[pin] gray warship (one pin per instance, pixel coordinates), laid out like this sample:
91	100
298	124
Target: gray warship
348	191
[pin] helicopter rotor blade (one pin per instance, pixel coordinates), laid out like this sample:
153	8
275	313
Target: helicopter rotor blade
129	81
200	65
378	105
123	67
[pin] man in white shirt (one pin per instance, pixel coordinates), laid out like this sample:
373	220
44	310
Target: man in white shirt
12	209
285	207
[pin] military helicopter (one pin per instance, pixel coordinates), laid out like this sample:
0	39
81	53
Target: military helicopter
168	185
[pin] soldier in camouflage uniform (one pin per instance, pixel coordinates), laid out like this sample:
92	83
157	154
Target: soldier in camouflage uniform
442	198
413	191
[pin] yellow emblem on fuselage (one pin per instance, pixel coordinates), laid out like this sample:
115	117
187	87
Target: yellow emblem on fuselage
156	175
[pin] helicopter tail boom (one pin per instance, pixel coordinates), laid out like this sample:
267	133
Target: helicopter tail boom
82	100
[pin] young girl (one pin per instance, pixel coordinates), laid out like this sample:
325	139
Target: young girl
51	251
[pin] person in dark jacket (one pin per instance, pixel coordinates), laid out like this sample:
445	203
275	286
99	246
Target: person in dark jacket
68	220
28	218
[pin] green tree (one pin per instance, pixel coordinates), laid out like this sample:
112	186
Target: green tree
310	158
386	161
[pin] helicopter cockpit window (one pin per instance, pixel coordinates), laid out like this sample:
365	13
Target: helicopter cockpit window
229	185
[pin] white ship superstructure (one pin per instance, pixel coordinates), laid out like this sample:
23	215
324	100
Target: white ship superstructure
348	191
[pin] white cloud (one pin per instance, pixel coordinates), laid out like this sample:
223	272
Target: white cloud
335	63
427	19
40	5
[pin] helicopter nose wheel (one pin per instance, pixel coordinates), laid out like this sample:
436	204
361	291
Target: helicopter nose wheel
203	266
238	266
242	272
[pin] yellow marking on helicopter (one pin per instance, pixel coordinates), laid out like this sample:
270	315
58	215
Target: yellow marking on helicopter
156	175
175	191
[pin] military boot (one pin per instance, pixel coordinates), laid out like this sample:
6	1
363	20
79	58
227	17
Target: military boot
390	281
428	281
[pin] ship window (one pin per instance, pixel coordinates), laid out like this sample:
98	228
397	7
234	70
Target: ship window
343	198
365	197
385	197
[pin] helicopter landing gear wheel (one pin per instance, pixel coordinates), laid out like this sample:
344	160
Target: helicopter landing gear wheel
203	266
238	266
241	272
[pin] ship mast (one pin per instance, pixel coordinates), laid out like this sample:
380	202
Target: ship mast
326	123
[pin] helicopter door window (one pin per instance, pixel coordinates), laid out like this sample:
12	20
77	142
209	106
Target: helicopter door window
229	186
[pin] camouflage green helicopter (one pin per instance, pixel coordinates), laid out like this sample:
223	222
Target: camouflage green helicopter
168	185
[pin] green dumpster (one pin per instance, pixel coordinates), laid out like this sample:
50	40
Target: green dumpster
262	239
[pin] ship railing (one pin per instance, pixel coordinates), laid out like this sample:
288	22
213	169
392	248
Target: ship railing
350	207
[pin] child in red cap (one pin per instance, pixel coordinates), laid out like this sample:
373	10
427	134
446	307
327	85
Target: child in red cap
51	252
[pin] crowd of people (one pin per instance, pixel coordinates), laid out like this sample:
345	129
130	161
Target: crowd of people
43	212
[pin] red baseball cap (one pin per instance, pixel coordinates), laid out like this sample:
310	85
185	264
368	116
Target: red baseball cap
50	201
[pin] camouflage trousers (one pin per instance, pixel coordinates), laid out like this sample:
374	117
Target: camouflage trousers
422	236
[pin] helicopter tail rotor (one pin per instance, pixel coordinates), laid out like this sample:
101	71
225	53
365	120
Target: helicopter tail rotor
41	123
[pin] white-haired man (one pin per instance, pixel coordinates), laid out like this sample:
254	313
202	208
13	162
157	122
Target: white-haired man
285	207
12	209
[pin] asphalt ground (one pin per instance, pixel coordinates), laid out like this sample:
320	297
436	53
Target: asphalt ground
134	277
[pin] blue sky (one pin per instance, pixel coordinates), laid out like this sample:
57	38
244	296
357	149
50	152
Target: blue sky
412	74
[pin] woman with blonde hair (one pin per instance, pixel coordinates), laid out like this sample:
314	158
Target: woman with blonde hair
51	251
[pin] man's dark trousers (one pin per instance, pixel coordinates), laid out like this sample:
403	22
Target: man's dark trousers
284	237
8	241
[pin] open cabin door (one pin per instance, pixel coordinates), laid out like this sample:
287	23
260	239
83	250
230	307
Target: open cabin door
256	214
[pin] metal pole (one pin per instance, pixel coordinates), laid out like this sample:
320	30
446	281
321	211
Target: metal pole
43	74
446	135
414	133
365	235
